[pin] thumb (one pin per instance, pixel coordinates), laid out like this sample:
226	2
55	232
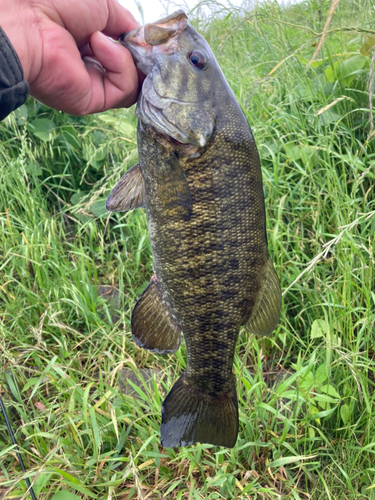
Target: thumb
121	77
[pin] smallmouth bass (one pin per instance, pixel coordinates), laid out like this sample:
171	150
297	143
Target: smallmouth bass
199	177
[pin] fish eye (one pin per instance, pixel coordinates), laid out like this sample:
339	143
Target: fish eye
198	59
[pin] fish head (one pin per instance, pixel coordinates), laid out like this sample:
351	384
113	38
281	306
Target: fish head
178	94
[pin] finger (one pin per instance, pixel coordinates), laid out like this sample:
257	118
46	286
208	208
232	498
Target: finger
86	51
97	76
85	17
121	76
120	20
67	83
63	81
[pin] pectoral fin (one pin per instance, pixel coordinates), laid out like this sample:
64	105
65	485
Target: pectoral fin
153	326
129	193
266	312
173	189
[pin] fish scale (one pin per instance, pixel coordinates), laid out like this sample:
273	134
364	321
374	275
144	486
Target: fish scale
199	176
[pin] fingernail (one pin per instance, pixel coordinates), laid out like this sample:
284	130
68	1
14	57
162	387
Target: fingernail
105	36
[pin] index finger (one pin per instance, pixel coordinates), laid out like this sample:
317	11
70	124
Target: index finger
120	20
82	19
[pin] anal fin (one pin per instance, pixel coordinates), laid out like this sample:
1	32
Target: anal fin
266	312
129	193
153	326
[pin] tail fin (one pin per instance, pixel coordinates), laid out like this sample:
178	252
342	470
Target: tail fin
190	415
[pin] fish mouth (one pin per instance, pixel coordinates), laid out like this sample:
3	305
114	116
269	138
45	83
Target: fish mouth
160	36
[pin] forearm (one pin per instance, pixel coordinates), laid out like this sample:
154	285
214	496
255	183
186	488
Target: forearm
13	88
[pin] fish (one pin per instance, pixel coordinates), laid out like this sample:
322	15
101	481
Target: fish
200	179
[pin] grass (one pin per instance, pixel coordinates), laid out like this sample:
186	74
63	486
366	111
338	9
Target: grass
70	278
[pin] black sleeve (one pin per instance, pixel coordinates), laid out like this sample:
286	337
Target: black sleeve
13	88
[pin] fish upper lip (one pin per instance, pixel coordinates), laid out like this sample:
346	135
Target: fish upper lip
158	32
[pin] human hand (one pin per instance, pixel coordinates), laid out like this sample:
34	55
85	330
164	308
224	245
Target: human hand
67	57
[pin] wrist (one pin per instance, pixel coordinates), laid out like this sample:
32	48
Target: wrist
18	23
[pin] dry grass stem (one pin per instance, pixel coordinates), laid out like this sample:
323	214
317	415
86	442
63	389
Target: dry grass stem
328	22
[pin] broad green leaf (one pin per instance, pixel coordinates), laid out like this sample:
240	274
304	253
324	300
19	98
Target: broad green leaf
96	158
127	129
77	197
348	70
317	63
330	73
282	338
300	152
291	394
321	373
98	208
368	45
24	111
293	151
101	153
314	64
69	134
319	328
35	168
324	399
268	149
21	115
330	390
322	414
82	217
120	124
218	481
328	117
108	118
31	382
141	288
43	128
345	413
65	495
32	107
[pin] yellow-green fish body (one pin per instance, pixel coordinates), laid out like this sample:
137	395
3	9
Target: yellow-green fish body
199	176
